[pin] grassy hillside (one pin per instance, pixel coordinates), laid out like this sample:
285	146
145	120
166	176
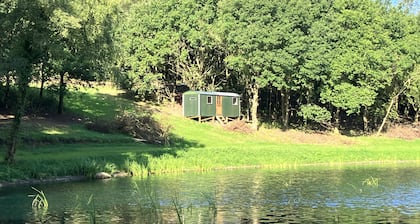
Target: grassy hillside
57	146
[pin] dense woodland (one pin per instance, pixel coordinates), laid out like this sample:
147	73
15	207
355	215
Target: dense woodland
342	64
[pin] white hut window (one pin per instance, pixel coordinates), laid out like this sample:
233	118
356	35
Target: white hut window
209	100
235	101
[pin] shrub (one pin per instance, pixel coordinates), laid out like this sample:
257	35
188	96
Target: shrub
317	114
143	126
140	125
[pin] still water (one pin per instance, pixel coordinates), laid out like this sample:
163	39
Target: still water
310	195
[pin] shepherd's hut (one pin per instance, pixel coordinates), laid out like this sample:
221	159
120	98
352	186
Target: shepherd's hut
204	106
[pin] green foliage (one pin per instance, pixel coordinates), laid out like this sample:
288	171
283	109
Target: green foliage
413	93
35	105
163	43
59	37
315	113
348	97
84	27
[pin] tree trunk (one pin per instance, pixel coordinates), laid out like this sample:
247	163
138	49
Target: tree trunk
254	106
276	105
61	93
20	109
393	101
365	120
388	111
285	108
417	116
337	121
11	142
41	73
270	108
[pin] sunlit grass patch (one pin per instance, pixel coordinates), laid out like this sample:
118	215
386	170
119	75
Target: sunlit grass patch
94	106
53	131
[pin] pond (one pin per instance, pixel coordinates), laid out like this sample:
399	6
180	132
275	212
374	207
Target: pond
309	195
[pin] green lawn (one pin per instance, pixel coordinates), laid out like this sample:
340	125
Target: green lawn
196	147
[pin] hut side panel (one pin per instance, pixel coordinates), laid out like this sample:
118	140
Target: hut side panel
231	106
207	105
190	104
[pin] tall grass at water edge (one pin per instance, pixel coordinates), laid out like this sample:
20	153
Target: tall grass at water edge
217	150
142	159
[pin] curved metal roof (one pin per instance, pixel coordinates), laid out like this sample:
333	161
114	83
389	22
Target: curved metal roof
215	93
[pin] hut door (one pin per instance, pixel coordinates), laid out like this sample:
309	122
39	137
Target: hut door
219	110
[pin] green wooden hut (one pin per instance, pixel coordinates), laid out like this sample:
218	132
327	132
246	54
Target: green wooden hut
223	106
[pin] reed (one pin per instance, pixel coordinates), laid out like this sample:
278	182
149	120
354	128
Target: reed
135	168
39	206
39	200
178	208
92	210
147	195
212	202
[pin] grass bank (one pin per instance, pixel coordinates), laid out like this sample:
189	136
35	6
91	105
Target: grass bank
196	147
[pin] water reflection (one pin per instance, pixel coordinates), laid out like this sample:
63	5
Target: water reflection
347	195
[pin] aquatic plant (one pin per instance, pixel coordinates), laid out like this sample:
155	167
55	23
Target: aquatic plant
40	200
288	183
178	208
211	200
146	195
110	167
92	212
371	181
135	168
39	205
